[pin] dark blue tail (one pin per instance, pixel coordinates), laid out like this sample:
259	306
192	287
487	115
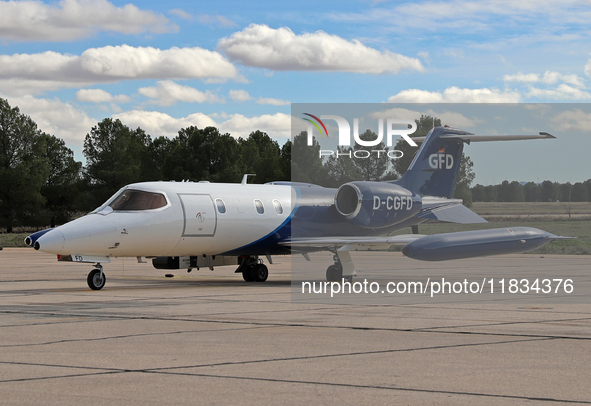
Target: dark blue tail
434	170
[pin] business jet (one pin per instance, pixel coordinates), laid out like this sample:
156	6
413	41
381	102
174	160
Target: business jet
190	225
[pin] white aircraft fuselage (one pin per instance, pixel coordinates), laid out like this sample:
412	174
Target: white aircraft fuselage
198	218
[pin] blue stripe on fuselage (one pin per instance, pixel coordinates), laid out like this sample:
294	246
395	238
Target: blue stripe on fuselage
269	244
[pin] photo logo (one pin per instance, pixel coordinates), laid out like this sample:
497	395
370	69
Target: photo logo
394	127
316	125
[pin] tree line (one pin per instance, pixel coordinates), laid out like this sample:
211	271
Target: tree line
546	191
42	184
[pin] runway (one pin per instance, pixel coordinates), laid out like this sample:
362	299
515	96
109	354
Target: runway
211	338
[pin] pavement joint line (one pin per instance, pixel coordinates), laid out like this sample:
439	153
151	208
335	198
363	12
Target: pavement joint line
351	354
260	361
268	324
61	376
393	388
129	336
38	364
506	323
277	380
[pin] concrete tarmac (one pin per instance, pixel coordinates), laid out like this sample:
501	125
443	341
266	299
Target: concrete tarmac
211	338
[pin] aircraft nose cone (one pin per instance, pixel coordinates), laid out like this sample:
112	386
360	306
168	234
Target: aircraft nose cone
51	242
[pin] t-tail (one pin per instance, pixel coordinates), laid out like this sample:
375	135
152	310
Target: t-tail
434	170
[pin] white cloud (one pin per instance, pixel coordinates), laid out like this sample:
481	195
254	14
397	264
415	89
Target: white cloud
74	19
470	16
156	123
588	68
548	78
273	102
576	120
280	49
242	95
216	20
34	73
180	13
167	93
55	117
277	125
126	62
455	94
100	96
451	118
562	92
239	95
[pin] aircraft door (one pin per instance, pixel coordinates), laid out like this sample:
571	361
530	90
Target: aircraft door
199	214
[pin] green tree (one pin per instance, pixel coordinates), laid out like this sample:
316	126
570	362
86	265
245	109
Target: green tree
531	192
115	157
565	192
61	188
306	164
549	191
465	177
579	193
23	167
341	168
261	155
203	154
424	124
286	160
510	192
375	166
491	193
478	193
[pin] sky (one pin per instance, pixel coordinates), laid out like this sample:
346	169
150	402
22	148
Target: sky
163	66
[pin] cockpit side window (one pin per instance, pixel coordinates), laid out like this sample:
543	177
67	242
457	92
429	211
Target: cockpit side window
131	199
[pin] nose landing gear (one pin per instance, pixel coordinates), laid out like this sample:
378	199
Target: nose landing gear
96	278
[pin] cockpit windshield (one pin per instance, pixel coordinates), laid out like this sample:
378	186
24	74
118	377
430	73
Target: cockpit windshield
131	199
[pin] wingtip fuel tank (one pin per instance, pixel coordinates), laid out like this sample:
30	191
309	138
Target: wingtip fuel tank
468	244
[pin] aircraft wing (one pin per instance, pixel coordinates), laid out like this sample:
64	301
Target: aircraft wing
351	243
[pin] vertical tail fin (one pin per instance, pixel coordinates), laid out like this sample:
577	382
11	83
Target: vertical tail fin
434	170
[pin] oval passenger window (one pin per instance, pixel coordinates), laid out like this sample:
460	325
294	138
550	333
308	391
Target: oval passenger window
259	206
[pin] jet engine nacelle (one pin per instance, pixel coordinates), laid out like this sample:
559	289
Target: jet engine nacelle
376	204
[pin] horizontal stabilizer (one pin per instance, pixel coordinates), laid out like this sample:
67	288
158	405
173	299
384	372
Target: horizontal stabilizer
457	213
468	138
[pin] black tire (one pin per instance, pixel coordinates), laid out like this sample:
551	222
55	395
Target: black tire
248	274
334	273
94	280
260	273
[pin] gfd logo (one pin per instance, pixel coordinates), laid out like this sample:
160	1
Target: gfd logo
441	161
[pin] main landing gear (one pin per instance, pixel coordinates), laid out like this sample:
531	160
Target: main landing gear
96	278
334	273
252	269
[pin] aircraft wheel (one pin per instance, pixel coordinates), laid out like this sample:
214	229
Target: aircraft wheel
260	273
248	275
348	278
95	282
334	273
